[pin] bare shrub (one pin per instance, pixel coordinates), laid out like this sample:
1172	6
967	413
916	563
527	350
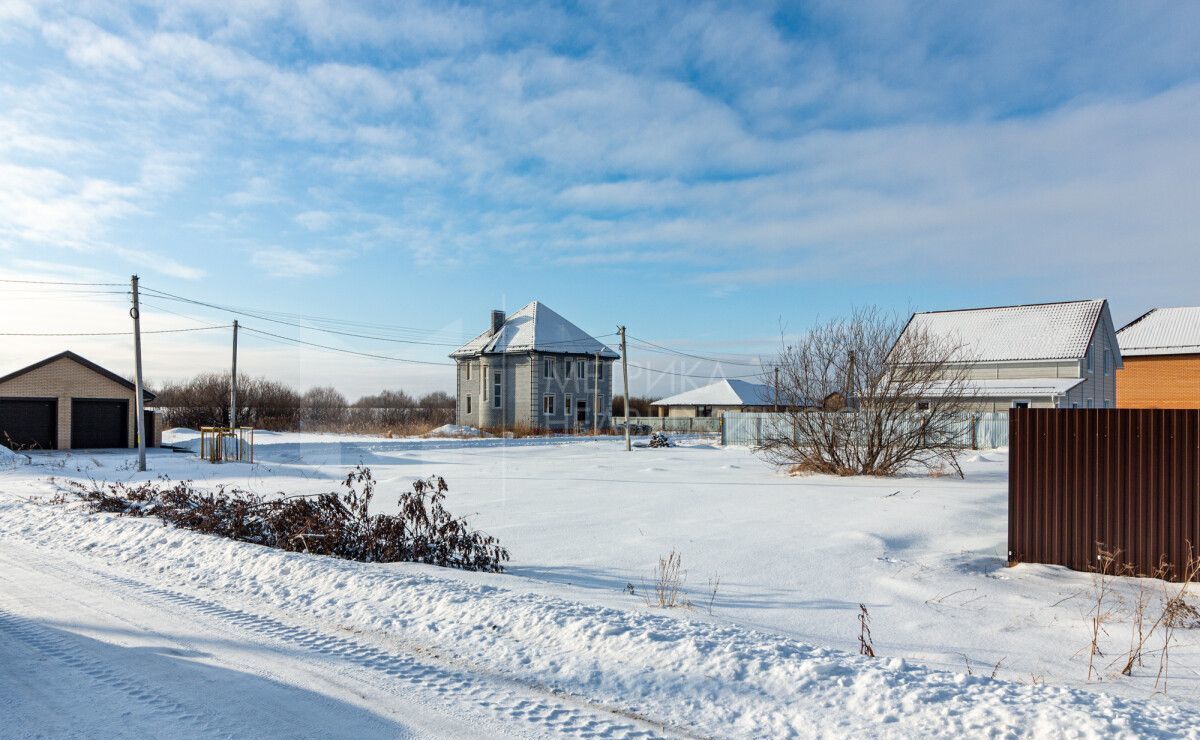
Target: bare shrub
714	585
667	581
866	644
1175	612
905	394
340	526
1102	606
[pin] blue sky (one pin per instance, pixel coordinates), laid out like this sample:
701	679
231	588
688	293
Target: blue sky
705	174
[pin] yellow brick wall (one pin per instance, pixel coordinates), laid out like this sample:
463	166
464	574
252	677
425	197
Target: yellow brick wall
65	379
1159	382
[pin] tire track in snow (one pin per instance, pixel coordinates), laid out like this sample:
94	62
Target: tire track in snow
547	715
61	648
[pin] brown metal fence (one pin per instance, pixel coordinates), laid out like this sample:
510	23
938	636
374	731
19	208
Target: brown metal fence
1128	479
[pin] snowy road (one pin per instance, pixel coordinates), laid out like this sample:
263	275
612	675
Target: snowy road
121	627
136	660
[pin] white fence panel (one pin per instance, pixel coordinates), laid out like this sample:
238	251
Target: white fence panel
977	431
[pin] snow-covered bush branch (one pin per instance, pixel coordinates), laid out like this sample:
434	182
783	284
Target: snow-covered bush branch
340	526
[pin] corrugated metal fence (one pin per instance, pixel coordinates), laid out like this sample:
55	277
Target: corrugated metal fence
1126	478
978	431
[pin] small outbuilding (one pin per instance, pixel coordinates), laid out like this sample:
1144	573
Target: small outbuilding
69	402
717	398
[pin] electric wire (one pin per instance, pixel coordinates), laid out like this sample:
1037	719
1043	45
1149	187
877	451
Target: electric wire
58	282
343	350
108	333
693	356
710	376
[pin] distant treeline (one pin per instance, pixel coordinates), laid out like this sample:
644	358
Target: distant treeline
268	404
638	406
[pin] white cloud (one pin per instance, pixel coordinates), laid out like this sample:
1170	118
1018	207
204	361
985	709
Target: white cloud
315	220
297	263
88	45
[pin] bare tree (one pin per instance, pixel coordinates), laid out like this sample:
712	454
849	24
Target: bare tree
325	407
902	393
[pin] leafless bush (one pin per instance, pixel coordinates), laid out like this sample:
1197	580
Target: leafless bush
905	393
1101	612
667	581
866	644
1176	612
340	526
714	585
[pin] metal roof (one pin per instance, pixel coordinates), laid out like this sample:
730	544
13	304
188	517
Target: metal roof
535	328
1011	388
1041	331
1162	331
723	393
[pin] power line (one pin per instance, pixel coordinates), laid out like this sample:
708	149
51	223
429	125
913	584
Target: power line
710	376
105	333
262	315
695	357
58	282
267	316
346	351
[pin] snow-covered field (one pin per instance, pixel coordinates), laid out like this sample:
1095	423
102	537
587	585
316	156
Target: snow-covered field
123	627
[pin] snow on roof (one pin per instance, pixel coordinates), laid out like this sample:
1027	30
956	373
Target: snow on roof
723	393
1011	388
1043	331
535	328
1162	331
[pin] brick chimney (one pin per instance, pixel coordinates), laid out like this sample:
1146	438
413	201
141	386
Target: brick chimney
497	321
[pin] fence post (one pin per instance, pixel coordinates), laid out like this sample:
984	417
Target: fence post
974	431
758	430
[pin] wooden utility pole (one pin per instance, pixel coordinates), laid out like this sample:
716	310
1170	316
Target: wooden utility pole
625	375
233	414
596	396
135	313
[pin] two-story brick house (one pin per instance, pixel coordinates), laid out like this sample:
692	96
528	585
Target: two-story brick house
1161	356
534	369
1045	355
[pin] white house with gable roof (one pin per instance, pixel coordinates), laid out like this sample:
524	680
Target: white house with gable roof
1044	355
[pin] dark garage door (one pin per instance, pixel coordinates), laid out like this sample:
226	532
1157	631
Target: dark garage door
98	422
29	423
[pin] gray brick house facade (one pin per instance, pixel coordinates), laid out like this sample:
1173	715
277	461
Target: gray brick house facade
534	369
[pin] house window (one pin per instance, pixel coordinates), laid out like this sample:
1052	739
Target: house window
483	382
580	368
1107	404
704	411
1021	404
468	370
548	404
567	368
1089	359
1091	404
1074	404
1107	362
922	405
548	367
496	381
599	371
468	404
567	401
